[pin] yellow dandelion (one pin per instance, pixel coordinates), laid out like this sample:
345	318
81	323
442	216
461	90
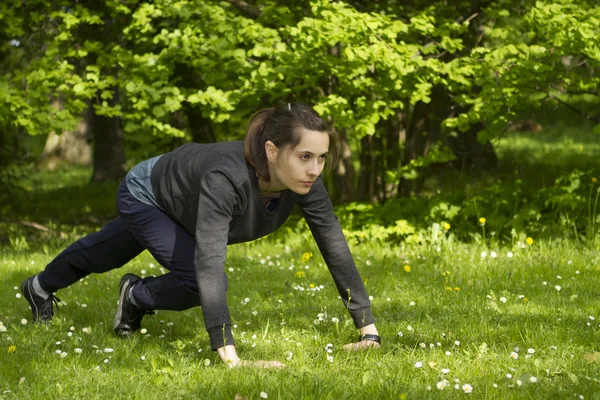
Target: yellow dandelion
312	286
529	241
457	289
594	180
306	256
525	299
482	221
407	268
366	281
300	274
12	348
446	226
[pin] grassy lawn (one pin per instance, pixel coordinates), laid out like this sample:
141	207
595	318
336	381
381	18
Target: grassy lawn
533	315
505	321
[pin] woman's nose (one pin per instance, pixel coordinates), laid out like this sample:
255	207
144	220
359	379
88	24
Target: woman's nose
315	169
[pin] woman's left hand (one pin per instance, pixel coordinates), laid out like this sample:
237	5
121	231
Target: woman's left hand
363	344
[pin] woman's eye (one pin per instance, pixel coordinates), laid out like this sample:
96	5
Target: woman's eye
304	157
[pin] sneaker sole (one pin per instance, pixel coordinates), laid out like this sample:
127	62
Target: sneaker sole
26	289
123	292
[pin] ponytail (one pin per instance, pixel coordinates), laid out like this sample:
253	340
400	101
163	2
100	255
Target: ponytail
254	147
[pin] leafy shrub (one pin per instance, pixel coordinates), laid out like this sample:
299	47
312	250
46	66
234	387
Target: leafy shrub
500	213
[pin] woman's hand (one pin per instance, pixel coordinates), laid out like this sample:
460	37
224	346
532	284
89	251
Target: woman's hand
364	344
262	364
229	356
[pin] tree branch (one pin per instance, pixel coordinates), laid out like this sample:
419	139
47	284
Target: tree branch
471	17
35	225
593	118
578	92
247	9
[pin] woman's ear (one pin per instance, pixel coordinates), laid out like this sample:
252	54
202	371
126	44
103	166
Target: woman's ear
271	150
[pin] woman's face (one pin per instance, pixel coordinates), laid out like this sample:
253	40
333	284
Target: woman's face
297	168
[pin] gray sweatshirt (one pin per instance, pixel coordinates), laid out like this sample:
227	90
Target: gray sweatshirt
213	193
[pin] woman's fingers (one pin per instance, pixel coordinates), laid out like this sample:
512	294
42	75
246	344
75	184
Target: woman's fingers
261	364
363	344
268	364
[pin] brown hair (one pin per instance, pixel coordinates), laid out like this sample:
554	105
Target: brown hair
280	126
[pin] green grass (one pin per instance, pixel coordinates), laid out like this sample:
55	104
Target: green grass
555	323
178	362
503	303
537	158
540	157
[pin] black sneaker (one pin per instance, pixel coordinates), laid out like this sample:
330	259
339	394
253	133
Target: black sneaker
129	316
42	309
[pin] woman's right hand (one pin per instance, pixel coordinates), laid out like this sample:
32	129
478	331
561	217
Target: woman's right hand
229	356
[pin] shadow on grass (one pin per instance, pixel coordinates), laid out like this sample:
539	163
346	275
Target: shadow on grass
78	204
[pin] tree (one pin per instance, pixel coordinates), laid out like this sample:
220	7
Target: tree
408	85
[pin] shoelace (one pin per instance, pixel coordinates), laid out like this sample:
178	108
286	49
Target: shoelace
48	311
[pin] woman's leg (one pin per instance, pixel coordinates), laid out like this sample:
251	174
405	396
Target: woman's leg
172	246
111	247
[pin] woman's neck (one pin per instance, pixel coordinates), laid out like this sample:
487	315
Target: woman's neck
269	189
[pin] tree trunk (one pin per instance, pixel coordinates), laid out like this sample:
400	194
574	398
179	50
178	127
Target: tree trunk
200	126
393	135
415	143
68	148
367	171
471	155
380	167
343	175
109	146
422	131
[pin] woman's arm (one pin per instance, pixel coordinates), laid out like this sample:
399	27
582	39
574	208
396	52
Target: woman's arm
216	205
325	227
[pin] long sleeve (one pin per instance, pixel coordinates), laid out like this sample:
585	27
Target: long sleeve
217	202
325	227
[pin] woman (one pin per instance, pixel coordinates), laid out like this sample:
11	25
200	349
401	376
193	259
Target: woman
186	206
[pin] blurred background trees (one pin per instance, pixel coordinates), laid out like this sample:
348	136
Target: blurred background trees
414	88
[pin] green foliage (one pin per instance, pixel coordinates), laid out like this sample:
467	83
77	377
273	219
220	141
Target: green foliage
359	63
542	55
568	208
